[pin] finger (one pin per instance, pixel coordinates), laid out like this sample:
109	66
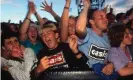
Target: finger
45	63
46	3
42	9
45	66
104	70
44	58
43	4
51	4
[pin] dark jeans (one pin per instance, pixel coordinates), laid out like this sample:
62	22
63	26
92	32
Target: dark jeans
98	70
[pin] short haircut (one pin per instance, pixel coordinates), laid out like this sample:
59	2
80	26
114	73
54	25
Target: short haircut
116	34
6	36
51	26
90	14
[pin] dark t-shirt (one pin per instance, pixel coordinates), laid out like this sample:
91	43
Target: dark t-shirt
62	57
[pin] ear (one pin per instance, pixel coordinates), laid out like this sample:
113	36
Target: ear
91	21
56	35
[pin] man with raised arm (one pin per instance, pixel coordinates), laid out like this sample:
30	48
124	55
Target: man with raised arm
67	23
93	42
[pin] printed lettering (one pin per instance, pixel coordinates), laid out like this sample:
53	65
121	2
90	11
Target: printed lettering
97	52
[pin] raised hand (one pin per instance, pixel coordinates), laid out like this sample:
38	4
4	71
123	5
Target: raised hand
47	7
73	41
44	64
31	7
105	9
87	3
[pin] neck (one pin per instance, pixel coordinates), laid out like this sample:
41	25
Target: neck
56	45
123	47
98	32
33	42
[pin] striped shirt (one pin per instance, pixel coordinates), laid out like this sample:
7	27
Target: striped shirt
21	70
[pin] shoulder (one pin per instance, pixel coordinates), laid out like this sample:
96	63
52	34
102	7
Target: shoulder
42	52
64	45
29	51
114	51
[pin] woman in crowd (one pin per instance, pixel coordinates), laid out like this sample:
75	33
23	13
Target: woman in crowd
119	54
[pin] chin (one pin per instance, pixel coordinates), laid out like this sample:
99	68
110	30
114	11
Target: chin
33	40
129	44
50	47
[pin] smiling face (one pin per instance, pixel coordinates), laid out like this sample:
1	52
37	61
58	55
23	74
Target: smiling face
49	37
32	34
71	26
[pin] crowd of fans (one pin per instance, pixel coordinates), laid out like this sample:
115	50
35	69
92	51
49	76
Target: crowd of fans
93	40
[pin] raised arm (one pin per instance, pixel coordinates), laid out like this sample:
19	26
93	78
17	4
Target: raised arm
73	44
48	8
105	9
25	25
64	21
82	20
40	19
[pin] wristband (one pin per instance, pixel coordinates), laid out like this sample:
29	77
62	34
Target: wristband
28	19
77	53
66	7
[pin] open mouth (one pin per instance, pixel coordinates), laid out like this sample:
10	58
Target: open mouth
33	36
48	42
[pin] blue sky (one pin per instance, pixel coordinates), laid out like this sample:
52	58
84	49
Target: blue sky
16	10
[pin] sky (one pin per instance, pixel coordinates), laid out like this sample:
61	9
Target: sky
16	10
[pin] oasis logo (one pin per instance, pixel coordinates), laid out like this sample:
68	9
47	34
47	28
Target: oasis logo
97	52
56	59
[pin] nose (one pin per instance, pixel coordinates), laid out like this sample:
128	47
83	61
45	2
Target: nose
131	36
106	19
46	38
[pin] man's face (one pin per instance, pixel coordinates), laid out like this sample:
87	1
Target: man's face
12	27
100	20
71	26
111	18
32	34
49	37
127	38
12	46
